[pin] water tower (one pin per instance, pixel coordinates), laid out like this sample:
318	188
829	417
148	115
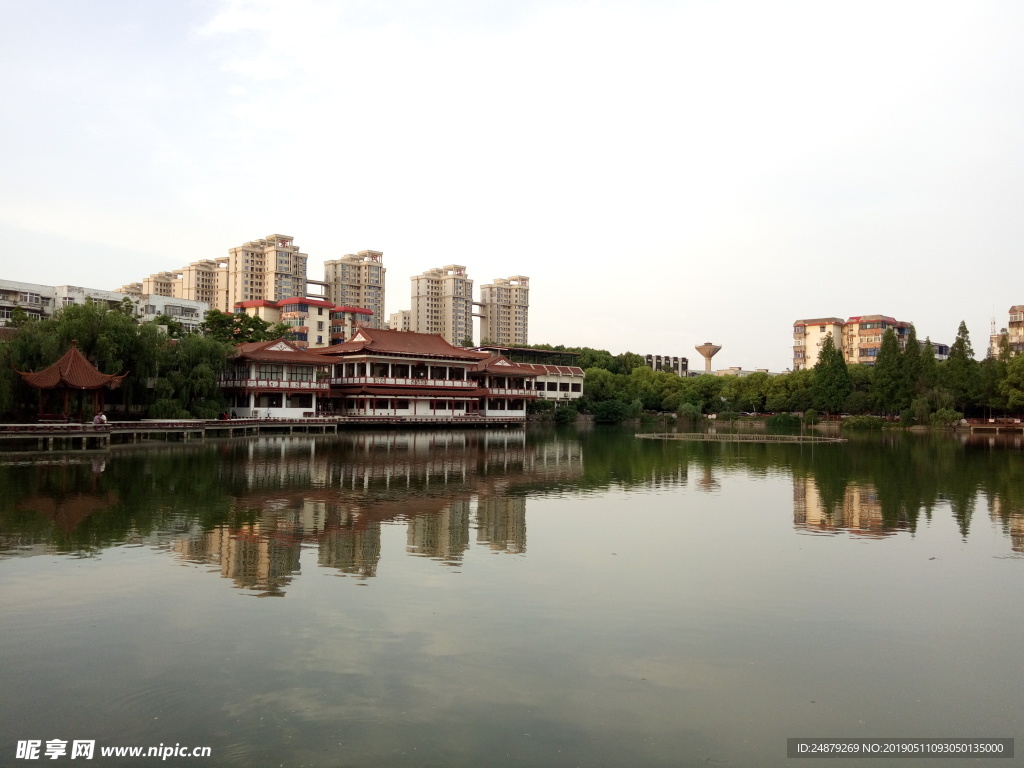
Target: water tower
707	351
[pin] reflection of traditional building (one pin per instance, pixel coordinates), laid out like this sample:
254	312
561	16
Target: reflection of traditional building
443	535
859	511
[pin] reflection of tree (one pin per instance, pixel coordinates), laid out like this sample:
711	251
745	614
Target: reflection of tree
335	492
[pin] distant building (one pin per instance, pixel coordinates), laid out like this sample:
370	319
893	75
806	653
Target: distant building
357	280
269	269
42	301
505	311
399	321
1013	333
738	371
678	365
314	322
809	335
859	338
442	303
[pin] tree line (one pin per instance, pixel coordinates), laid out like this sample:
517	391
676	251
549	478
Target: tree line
908	381
172	373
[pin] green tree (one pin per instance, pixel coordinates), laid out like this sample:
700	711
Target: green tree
911	369
887	375
959	374
1012	385
240	328
832	383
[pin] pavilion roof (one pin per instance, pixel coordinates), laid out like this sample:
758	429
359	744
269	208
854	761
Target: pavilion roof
72	371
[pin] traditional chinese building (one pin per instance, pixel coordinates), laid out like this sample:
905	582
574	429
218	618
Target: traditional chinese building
69	375
275	379
421	377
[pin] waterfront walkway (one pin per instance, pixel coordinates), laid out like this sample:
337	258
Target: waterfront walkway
61	436
739	437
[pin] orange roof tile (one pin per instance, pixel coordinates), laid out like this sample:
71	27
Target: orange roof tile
72	371
276	351
380	341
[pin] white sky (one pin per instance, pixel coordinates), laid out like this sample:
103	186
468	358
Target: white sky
666	173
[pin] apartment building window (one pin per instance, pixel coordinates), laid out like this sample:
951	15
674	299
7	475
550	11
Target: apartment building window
29	298
821	329
67	301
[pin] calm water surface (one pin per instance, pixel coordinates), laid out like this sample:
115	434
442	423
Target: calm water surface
511	598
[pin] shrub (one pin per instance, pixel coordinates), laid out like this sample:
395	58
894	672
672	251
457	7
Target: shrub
906	417
565	414
946	417
783	421
689	413
810	416
612	412
728	415
863	422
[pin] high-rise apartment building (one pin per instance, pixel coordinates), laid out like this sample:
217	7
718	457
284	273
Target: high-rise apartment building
357	280
505	311
442	302
270	269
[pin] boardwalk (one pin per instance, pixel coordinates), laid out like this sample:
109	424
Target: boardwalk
739	437
85	436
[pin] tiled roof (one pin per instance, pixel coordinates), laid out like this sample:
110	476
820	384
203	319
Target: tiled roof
501	365
72	371
560	370
276	351
378	340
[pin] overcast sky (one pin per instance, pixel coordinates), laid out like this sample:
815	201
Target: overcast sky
666	173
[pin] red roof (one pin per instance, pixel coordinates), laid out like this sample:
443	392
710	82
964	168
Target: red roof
276	351
357	310
562	370
386	342
72	371
303	300
501	365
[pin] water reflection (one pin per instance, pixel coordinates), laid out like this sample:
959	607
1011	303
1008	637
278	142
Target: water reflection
248	509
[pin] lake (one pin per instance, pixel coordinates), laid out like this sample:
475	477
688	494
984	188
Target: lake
517	597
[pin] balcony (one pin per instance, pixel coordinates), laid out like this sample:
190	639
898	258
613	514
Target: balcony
292	386
399	382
